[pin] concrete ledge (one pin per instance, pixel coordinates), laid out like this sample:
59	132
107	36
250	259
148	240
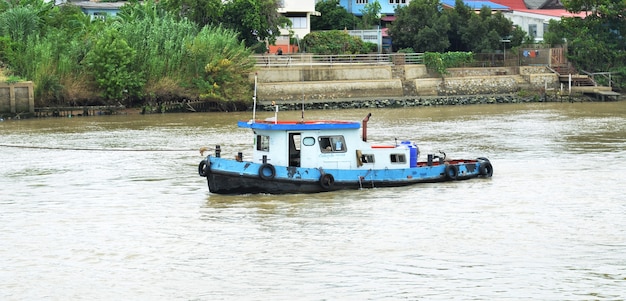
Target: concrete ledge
329	90
17	98
292	74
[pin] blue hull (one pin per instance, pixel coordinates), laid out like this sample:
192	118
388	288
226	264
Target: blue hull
228	176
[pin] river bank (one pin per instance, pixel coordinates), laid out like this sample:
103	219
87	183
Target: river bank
309	104
425	101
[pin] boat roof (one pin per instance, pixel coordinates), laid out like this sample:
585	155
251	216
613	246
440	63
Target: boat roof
286	125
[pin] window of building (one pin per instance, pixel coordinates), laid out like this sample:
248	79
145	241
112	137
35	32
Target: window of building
532	30
361	1
332	144
397	1
263	143
398	158
298	22
99	16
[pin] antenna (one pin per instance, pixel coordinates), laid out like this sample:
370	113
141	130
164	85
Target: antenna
302	108
254	98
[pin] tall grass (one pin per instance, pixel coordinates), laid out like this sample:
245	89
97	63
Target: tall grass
169	55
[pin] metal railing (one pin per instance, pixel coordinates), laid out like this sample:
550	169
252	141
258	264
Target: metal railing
308	59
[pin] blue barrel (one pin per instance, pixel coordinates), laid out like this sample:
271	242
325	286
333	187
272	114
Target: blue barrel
413	151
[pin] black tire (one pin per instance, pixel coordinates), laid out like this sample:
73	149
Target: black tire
203	168
451	172
267	171
486	170
327	181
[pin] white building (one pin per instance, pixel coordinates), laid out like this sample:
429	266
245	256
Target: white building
299	12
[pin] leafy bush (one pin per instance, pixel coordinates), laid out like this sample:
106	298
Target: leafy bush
109	62
334	42
439	62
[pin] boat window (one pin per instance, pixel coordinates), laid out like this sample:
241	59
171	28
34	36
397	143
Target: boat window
398	158
263	143
367	158
332	144
308	141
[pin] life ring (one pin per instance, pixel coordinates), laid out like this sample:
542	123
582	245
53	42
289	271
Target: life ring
451	171
203	168
327	181
267	171
486	170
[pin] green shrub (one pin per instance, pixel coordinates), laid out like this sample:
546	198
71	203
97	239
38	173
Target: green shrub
334	42
439	62
109	61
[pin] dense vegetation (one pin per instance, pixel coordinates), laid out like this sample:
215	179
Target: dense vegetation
424	25
201	49
596	43
336	42
145	53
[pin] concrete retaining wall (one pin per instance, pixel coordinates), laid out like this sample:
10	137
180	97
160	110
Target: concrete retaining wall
333	82
328	90
306	74
17	98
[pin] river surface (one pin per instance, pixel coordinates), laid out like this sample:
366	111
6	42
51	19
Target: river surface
112	208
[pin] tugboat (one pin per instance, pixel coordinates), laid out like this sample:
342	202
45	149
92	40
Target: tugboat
327	155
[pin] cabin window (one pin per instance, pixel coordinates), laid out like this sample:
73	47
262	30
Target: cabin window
263	143
367	158
332	144
308	141
398	158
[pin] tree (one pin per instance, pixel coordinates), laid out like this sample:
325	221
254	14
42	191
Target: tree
202	12
596	42
458	18
110	62
333	16
483	32
370	15
254	20
421	26
335	42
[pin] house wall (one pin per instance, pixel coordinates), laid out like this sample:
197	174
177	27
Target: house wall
524	20
300	13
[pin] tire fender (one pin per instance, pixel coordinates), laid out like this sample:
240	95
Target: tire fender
267	171
451	172
327	181
486	170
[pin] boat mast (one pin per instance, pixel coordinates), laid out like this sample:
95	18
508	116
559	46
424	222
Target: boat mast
254	99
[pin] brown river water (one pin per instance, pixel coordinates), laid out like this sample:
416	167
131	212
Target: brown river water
112	208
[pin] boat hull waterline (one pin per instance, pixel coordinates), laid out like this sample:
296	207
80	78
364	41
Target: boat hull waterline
228	176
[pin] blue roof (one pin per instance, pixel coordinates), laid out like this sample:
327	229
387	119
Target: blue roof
299	126
475	4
